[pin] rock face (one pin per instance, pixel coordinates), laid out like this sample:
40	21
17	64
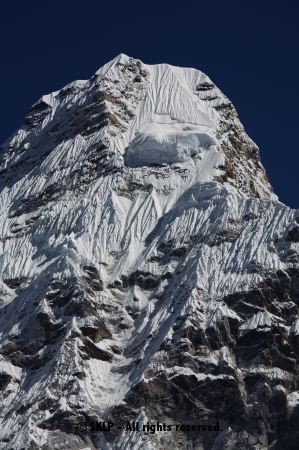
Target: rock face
148	271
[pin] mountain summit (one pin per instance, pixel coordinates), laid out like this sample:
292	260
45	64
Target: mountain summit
148	272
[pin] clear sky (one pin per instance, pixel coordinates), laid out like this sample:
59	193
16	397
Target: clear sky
249	49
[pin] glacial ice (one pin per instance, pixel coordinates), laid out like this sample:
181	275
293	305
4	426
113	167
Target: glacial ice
157	144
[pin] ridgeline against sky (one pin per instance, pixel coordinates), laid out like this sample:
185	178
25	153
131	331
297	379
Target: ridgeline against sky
249	49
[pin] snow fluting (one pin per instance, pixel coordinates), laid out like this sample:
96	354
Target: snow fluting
148	272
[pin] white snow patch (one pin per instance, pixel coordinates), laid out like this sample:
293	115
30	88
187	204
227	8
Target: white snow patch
167	143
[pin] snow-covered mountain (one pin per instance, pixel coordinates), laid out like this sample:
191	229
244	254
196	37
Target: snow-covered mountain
148	272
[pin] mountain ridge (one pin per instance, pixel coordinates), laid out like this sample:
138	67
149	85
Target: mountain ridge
144	255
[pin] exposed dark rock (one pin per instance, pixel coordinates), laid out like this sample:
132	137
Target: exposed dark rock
5	379
180	252
224	236
93	278
288	433
166	247
62	420
116	285
167	276
156	258
205	86
145	280
80	306
90	349
32	362
14	283
250	216
31	204
293	235
37	113
96	333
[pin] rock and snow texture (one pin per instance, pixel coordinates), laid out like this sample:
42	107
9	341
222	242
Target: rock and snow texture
147	270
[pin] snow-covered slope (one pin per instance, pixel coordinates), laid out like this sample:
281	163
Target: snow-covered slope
144	256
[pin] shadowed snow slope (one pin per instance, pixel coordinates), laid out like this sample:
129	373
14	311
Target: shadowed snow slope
144	257
169	143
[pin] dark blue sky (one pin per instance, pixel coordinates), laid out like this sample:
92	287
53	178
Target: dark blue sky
249	49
